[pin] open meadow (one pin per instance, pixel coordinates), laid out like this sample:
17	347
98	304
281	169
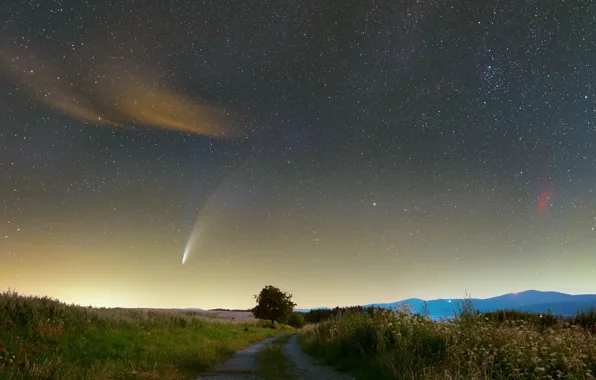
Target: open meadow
226	316
382	344
44	338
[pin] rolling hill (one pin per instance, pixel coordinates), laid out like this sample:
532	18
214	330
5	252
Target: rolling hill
529	300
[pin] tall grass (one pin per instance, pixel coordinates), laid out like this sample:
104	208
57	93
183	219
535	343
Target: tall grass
43	338
399	345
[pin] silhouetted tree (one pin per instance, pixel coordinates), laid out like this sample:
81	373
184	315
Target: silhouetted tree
273	304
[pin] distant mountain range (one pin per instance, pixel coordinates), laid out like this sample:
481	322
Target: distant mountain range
531	300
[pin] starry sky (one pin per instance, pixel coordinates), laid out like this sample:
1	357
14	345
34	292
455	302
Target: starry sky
347	152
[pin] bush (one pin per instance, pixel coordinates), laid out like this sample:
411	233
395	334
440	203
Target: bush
320	315
296	320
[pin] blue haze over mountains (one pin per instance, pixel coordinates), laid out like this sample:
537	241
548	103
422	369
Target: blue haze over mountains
531	300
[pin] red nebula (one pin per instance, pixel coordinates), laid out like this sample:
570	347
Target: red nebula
543	200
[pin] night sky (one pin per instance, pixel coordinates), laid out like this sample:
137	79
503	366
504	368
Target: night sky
348	152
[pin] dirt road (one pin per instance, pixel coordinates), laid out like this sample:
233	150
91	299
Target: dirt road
305	368
242	366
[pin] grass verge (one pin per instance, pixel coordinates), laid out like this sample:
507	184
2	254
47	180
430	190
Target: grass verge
43	338
398	345
272	363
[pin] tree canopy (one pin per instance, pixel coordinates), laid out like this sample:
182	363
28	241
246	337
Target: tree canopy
273	304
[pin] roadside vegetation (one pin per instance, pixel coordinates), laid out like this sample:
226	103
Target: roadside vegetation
272	363
296	320
383	344
44	338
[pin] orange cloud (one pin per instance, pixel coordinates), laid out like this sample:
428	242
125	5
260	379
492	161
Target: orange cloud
119	97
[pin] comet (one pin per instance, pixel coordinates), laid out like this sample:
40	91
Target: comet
186	253
198	231
204	219
193	241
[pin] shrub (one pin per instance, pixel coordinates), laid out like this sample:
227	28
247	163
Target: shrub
296	320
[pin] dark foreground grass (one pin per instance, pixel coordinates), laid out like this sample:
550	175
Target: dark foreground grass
272	363
43	338
397	345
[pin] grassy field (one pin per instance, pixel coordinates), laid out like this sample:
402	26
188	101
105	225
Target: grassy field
272	363
43	338
397	345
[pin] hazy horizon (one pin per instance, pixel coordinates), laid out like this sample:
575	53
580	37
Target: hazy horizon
249	305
